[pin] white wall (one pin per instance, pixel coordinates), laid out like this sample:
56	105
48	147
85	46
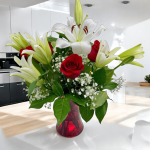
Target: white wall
139	33
30	19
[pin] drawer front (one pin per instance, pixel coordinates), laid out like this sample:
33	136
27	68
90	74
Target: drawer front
4	94
17	93
4	77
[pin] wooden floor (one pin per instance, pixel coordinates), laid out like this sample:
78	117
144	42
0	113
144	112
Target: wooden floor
17	119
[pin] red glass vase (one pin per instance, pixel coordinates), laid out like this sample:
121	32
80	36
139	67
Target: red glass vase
72	125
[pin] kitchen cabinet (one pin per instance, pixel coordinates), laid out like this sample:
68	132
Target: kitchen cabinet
58	17
4	94
21	21
40	21
4	28
17	94
4	88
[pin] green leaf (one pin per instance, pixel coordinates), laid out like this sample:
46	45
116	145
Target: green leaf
101	111
37	104
87	69
75	99
109	74
86	113
37	66
51	39
91	43
100	76
56	76
61	109
127	60
100	99
32	87
57	88
61	35
111	86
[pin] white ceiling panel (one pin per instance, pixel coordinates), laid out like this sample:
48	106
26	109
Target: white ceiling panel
20	3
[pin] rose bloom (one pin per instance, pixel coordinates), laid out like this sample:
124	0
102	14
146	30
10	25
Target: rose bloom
72	66
94	51
30	48
25	55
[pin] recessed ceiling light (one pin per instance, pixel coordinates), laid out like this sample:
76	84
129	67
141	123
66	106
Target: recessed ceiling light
113	24
88	5
125	2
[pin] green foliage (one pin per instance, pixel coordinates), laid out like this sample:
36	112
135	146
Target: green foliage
51	39
61	109
57	88
86	112
147	78
109	74
33	84
100	76
61	35
37	104
127	60
37	66
100	99
111	86
56	76
75	99
87	69
32	87
101	111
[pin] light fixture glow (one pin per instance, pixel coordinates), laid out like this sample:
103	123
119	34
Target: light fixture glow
113	24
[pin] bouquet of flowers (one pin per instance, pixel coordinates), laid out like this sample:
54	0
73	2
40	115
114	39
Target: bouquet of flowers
70	67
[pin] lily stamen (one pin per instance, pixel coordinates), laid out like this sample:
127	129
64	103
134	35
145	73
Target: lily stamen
85	29
72	28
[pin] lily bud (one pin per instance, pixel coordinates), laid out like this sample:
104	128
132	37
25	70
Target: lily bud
78	12
136	51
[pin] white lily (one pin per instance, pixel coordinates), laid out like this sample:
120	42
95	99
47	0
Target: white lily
42	51
79	36
27	71
105	56
19	42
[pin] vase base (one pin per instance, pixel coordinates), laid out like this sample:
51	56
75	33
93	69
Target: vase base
69	134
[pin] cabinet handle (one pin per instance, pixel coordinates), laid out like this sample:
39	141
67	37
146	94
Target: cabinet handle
19	84
1	86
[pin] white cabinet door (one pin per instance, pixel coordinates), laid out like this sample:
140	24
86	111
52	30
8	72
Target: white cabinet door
21	21
40	21
4	28
58	17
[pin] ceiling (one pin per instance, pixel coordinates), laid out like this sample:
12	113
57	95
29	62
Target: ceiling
20	3
113	12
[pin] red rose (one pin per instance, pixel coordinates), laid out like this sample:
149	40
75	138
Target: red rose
25	55
94	51
50	47
72	66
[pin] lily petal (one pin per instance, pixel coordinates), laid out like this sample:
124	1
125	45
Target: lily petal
102	60
81	48
23	62
17	60
70	36
26	77
61	27
71	22
98	32
136	64
105	48
91	25
115	50
62	43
